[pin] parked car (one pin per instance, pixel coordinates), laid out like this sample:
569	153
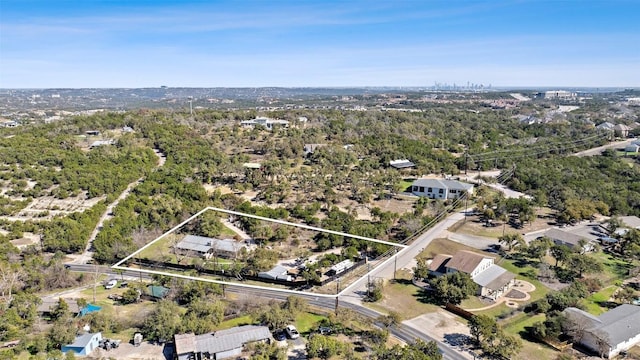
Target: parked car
279	335
111	284
325	330
292	332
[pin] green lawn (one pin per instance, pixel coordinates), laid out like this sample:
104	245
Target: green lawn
614	269
593	302
540	290
238	321
517	324
305	322
405	184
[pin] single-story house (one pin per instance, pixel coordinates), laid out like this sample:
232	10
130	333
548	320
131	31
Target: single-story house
440	188
218	345
560	237
8	123
48	305
278	272
632	222
632	148
606	126
84	344
208	247
265	122
610	333
401	164
621	130
311	148
156	292
493	280
99	143
252	165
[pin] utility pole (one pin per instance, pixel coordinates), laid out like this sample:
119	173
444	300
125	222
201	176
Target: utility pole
395	264
466	162
466	204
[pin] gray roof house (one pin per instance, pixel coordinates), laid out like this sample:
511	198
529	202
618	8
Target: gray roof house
440	188
560	237
207	247
218	345
632	222
278	272
632	148
610	333
621	130
493	280
605	126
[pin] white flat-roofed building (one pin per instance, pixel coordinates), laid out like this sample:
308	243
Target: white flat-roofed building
265	122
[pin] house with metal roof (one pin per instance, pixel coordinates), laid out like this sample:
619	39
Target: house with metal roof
571	240
401	164
610	333
218	345
493	281
84	344
631	222
440	188
208	247
278	272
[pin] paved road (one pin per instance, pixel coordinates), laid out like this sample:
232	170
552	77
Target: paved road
403	332
600	149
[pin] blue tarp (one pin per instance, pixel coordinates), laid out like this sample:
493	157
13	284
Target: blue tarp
89	309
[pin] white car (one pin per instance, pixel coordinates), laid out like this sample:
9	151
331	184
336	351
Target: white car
292	331
111	284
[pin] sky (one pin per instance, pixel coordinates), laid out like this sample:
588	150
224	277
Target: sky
328	43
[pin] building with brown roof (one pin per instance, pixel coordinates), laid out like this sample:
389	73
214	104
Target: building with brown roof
493	280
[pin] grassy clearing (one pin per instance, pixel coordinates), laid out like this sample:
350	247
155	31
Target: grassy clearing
403	298
614	269
593	302
405	184
517	324
305	322
238	321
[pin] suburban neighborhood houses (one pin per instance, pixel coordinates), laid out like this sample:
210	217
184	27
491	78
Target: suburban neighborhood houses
246	232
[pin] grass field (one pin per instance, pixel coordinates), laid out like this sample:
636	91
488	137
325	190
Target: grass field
593	302
614	269
404	299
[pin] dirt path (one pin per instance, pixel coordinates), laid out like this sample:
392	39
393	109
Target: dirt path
108	214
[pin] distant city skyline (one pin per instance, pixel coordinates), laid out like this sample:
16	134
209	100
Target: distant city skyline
144	43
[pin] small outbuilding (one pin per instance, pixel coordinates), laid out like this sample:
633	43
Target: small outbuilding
84	344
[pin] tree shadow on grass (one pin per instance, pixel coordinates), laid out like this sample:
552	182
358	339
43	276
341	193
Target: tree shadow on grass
426	297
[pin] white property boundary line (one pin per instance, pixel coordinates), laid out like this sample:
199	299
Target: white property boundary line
119	263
